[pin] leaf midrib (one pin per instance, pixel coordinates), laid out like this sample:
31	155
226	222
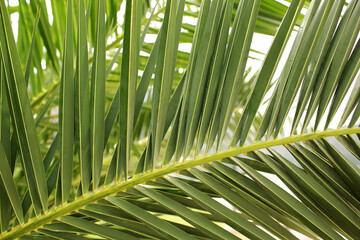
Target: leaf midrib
138	179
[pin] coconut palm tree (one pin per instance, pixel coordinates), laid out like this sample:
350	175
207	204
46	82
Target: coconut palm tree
143	120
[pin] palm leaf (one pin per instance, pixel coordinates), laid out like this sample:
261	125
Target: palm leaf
157	173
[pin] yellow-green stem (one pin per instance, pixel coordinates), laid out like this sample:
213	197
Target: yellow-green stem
101	193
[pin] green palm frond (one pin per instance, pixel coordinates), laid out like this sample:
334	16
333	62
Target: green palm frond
153	125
